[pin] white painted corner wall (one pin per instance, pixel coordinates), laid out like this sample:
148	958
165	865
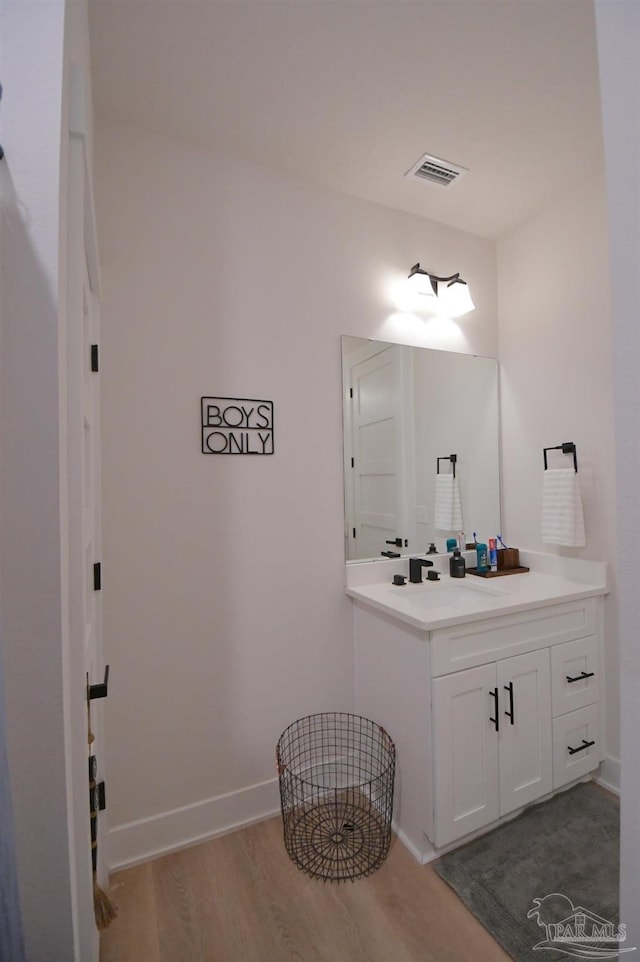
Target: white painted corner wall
556	370
227	279
225	616
224	613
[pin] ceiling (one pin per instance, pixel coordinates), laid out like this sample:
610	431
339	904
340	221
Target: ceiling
350	93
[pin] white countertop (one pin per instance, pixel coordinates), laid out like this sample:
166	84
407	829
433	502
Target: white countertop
450	601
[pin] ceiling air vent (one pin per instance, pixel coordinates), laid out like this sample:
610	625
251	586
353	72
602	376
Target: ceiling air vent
435	171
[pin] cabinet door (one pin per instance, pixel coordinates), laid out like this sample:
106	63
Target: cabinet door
466	782
526	770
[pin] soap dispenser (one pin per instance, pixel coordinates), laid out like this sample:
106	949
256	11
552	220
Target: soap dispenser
457	568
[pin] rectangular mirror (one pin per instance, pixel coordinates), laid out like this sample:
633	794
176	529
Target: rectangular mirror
406	410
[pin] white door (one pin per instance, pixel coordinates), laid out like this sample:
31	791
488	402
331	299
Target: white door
524	687
466	774
379	451
81	447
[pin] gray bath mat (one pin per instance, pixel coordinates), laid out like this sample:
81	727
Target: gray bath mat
566	847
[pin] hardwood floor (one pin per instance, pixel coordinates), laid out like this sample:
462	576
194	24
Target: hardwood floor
239	898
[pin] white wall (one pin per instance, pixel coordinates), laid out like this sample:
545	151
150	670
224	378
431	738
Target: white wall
225	617
618	29
556	366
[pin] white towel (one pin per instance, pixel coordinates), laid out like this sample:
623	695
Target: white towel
562	515
448	507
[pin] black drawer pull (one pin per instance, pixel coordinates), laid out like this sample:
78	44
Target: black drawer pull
509	712
581	676
580	748
496	721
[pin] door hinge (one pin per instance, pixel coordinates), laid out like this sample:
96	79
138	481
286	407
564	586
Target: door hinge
95	358
354	532
353	463
97	576
350	392
97	798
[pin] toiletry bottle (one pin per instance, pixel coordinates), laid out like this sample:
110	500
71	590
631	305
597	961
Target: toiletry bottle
493	554
456	565
482	558
452	544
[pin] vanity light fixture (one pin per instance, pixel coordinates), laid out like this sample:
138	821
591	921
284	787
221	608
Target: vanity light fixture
448	295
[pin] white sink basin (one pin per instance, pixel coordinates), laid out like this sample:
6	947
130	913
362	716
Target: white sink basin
432	601
435	594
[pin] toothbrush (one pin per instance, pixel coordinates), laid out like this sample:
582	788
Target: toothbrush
501	541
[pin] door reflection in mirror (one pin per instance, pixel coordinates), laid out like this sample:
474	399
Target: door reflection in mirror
405	407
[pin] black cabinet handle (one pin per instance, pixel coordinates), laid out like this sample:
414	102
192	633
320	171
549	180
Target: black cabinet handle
390	554
580	748
396	541
583	674
509	712
495	720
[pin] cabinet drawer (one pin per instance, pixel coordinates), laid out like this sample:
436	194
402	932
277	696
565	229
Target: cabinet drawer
479	642
570	663
570	732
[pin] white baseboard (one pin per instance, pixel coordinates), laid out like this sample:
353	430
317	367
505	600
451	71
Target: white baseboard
609	774
147	838
417	853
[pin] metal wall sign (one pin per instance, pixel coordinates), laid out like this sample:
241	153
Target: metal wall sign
236	425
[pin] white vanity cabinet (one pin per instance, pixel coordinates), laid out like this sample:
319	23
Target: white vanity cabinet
492	742
488	715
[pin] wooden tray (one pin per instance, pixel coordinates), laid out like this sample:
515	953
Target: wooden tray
497	574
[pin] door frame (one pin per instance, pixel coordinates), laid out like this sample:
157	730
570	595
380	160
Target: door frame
81	264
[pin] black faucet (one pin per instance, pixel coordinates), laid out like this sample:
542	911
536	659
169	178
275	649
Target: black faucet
415	569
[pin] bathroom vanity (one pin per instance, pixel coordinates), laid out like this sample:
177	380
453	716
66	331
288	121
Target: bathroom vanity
490	688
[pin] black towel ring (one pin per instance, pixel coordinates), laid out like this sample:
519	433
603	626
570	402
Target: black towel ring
567	447
450	457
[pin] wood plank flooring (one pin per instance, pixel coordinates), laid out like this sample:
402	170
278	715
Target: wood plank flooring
239	898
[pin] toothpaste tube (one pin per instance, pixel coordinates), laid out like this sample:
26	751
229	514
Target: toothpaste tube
493	554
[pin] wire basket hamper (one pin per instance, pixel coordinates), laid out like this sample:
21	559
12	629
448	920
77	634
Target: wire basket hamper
336	774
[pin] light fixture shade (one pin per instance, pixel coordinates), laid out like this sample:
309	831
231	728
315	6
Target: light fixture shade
455	298
420	282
